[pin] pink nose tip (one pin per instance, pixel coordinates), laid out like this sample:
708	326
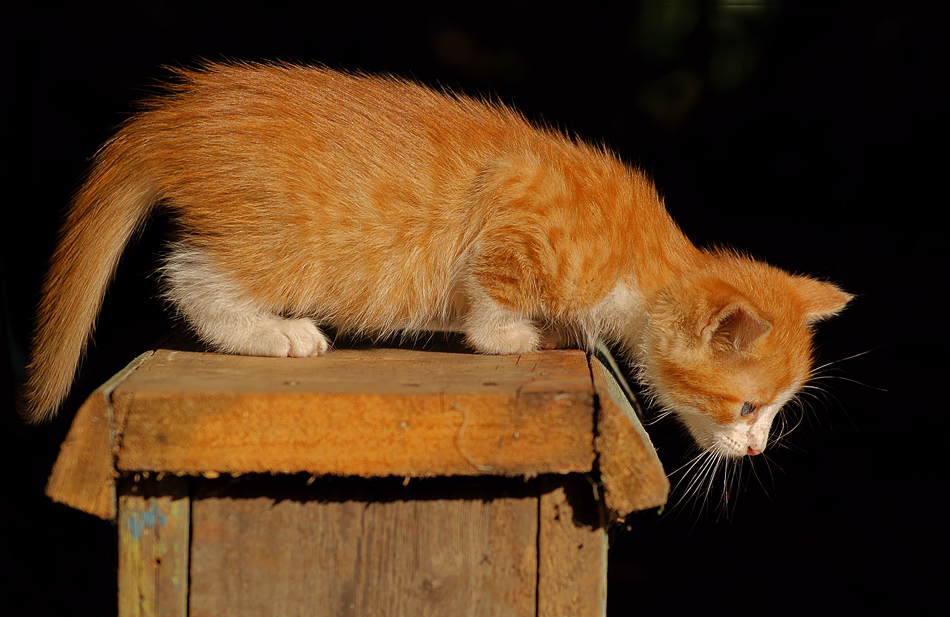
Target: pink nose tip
752	451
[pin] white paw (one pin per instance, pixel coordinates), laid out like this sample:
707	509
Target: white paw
495	329
511	338
297	338
305	338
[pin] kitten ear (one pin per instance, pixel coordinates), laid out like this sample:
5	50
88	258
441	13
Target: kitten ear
820	300
737	325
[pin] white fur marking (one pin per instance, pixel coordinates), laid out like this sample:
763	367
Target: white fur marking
225	317
494	329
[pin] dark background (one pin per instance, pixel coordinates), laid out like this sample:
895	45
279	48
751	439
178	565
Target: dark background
814	138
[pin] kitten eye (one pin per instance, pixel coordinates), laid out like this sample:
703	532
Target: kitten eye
748	409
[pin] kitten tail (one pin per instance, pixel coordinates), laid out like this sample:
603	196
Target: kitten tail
111	205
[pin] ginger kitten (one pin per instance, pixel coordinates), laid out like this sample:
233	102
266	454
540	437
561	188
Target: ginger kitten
308	197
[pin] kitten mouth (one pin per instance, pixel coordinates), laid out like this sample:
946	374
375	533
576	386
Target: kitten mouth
752	451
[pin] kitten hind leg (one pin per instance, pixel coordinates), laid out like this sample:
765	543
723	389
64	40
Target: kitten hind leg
225	317
493	329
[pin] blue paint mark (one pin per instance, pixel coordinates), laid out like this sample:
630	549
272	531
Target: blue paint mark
139	520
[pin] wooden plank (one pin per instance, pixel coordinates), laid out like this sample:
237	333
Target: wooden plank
83	475
454	547
631	473
373	412
572	549
154	522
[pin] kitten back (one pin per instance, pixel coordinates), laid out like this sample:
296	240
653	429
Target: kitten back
370	192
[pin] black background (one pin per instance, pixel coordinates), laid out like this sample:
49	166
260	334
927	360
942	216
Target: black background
813	138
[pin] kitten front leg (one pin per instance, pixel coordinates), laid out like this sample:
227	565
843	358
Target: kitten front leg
494	329
226	318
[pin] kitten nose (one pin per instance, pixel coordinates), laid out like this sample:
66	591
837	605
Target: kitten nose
752	451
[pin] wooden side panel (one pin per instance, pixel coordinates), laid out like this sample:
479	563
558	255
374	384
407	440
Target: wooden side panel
358	548
572	549
154	522
376	412
631	473
83	476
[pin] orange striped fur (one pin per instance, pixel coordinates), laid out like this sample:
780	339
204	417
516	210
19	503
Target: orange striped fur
309	197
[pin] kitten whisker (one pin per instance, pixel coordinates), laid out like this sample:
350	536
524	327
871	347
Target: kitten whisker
689	465
768	468
851	357
827	398
705	474
849	380
660	416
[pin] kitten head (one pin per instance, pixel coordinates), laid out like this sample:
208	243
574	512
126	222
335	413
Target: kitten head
727	346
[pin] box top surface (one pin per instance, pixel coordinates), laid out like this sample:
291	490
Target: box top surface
373	412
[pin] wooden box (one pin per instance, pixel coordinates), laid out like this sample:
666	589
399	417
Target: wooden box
383	481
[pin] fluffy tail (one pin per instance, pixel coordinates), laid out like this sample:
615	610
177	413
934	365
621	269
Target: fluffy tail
111	205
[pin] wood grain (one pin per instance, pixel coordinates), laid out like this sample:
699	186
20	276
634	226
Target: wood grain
572	549
374	412
154	547
83	476
366	412
630	471
350	547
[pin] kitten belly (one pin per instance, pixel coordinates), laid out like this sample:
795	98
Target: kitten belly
238	312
